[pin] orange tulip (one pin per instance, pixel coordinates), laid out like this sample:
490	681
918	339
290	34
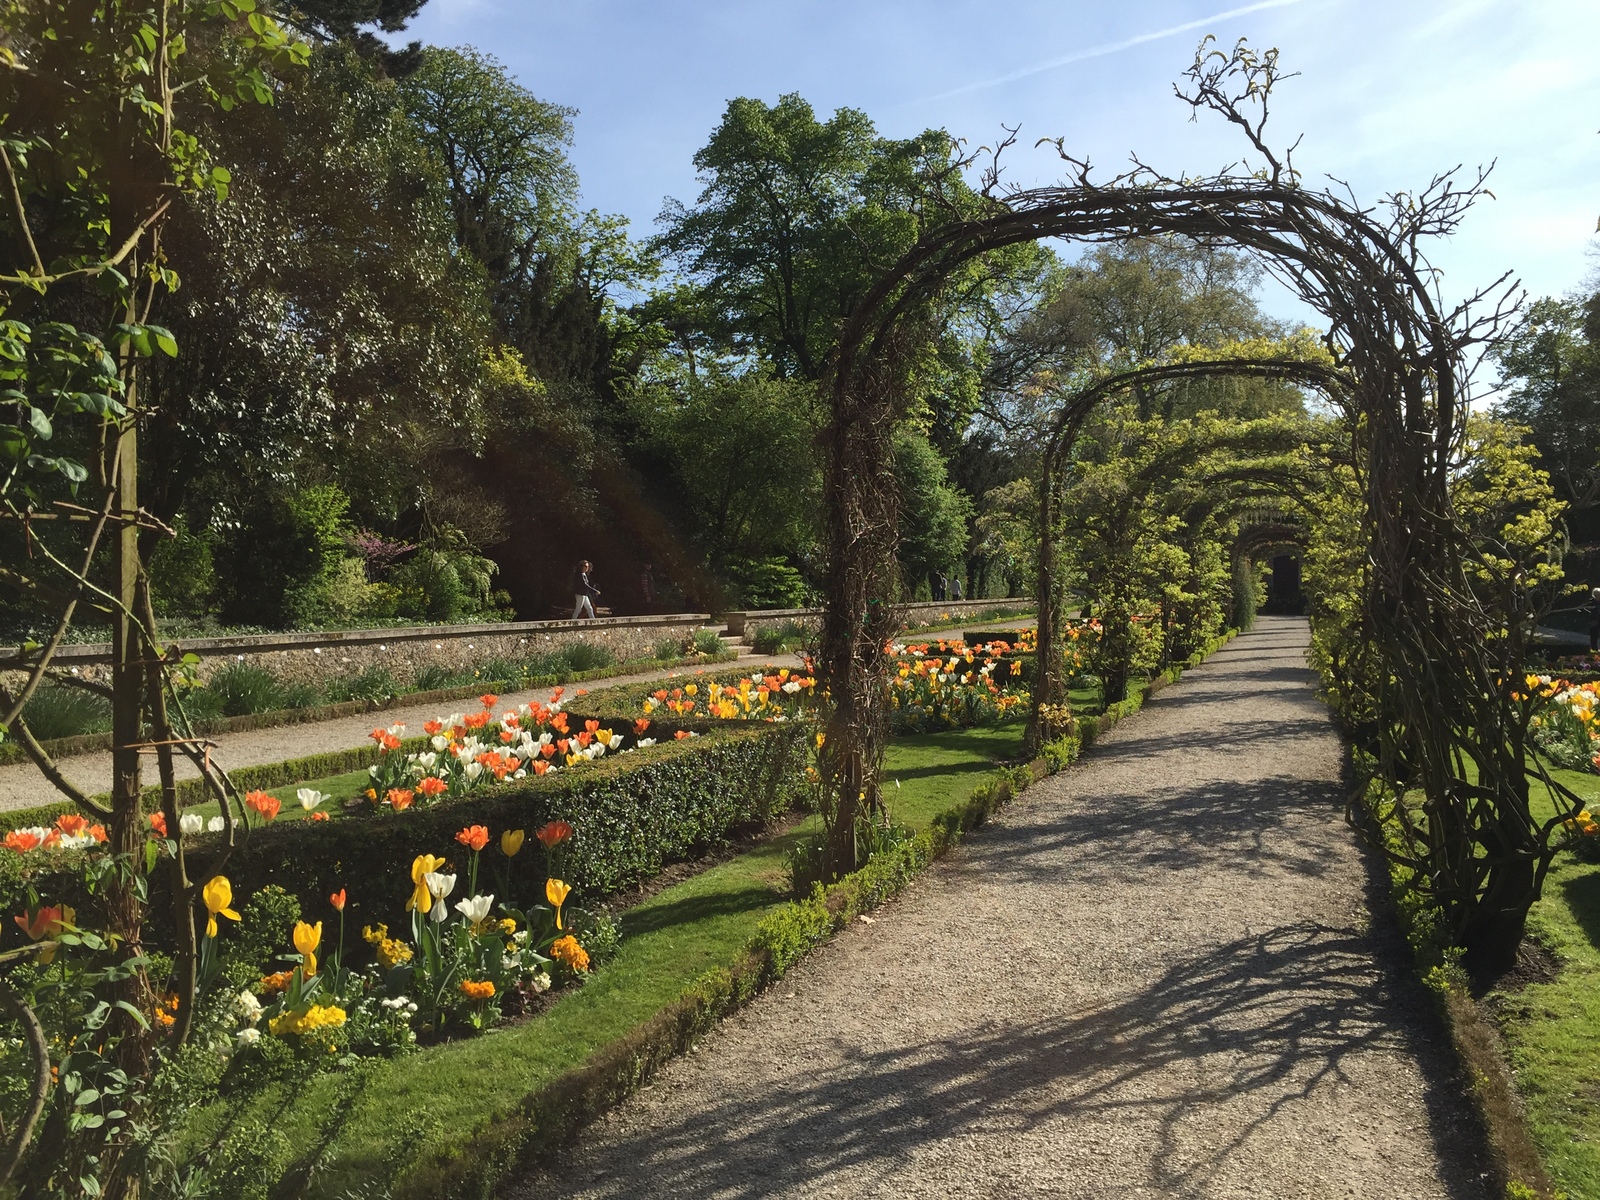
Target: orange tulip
553	834
474	837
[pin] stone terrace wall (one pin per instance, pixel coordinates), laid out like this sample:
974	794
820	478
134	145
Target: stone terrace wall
317	657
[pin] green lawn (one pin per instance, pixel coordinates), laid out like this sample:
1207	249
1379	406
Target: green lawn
1552	1030
380	1117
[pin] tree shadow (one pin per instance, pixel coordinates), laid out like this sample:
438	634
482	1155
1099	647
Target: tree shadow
1243	826
1582	896
652	918
1252	1027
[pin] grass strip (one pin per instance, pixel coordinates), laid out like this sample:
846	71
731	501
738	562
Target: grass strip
1551	1028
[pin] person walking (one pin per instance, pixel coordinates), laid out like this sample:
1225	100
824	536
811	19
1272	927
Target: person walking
647	587
584	592
955	586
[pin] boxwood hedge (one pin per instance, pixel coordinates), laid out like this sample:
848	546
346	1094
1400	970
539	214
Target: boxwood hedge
631	815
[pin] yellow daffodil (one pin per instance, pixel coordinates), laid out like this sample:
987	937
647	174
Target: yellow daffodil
421	898
511	842
306	940
556	892
218	897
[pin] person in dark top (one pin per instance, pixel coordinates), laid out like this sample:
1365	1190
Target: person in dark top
955	587
940	585
1594	620
647	587
584	592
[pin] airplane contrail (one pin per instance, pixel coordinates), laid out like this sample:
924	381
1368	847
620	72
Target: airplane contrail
1108	48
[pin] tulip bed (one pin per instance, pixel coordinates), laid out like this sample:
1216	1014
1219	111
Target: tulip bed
448	1119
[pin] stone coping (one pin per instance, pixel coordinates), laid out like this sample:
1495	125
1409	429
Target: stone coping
260	643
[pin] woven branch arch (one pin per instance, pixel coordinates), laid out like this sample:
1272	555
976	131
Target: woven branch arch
1452	727
1049	688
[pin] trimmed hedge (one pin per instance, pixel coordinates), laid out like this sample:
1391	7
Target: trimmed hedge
1514	1160
551	1117
631	816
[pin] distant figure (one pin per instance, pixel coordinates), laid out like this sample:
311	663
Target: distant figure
941	585
647	587
955	588
584	592
1594	621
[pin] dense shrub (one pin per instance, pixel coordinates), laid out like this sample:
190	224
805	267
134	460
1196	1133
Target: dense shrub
58	711
781	638
632	814
584	656
707	641
375	684
241	688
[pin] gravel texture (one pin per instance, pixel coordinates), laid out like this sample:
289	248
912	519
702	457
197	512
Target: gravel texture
1157	975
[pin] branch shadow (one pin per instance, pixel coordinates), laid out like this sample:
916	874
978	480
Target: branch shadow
1254	1026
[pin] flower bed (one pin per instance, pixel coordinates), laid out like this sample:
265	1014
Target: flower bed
941	684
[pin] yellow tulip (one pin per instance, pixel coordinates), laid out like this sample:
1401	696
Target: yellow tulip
421	898
218	897
306	940
511	842
556	892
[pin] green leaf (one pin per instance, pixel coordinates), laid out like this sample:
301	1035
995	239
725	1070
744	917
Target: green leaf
87	1096
150	856
165	341
13	443
39	420
134	1013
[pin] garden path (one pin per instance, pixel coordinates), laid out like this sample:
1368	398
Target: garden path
1158	974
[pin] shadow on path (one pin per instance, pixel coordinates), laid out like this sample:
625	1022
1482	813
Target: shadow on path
1256	1026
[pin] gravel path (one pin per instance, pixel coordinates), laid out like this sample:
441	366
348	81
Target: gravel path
1155	976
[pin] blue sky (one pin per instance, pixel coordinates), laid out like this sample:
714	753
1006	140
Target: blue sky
1390	91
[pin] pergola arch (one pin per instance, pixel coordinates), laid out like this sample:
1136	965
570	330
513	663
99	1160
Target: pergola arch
1451	715
1049	688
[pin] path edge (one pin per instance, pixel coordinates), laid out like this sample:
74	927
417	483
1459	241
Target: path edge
1515	1166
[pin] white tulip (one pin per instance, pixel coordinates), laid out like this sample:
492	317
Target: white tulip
643	742
216	825
473	770
191	823
616	741
440	741
309	798
475	908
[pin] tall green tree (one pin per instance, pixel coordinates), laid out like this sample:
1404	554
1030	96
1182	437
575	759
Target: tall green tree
1551	368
